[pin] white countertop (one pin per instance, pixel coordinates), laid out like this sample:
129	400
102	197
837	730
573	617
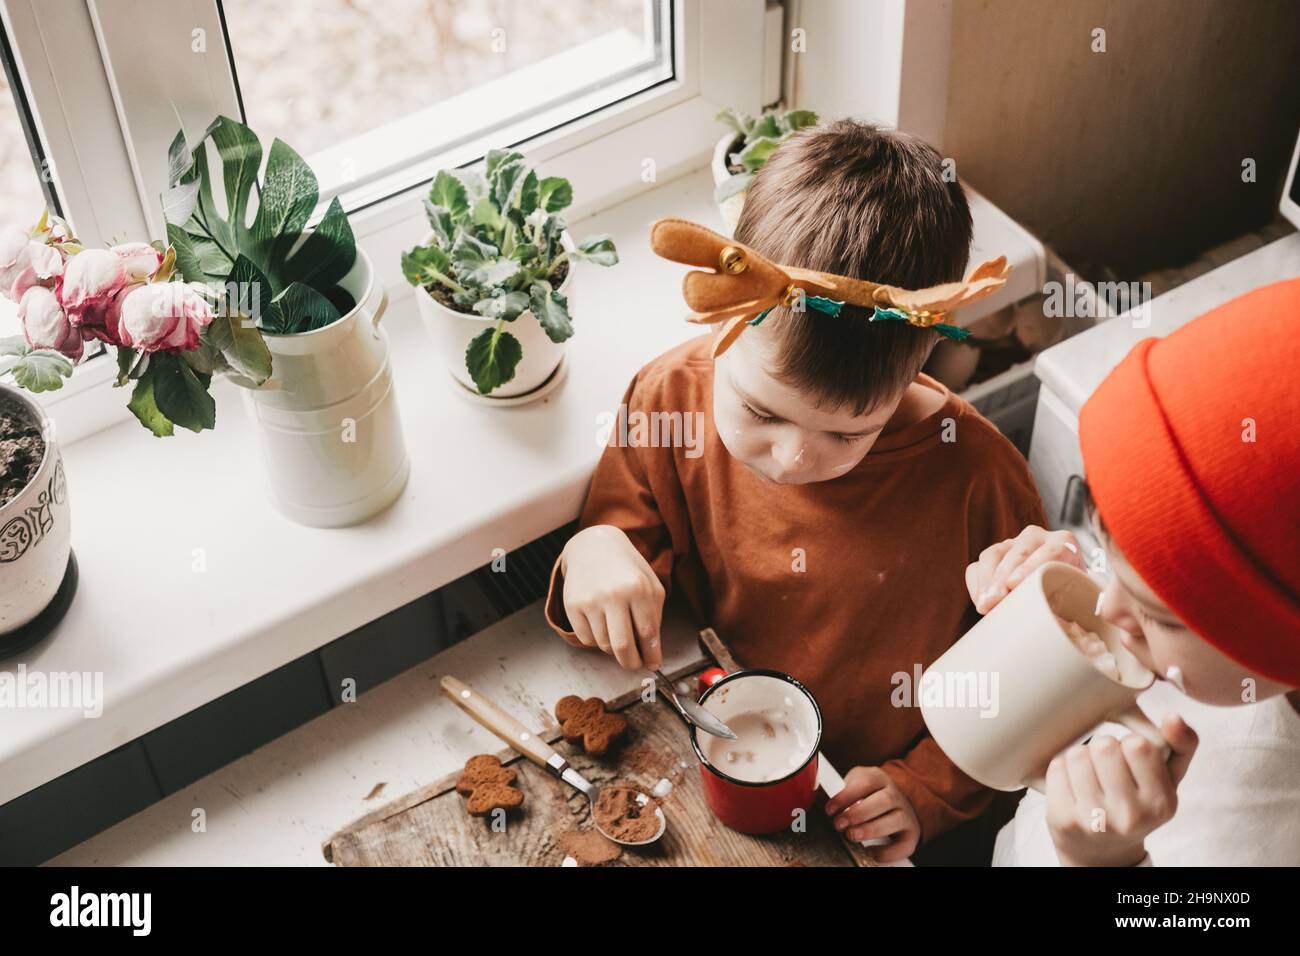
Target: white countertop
147	511
1074	369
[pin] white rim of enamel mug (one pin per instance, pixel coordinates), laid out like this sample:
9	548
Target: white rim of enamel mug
760	672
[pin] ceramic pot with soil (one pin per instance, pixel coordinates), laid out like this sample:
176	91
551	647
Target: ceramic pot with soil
35	535
452	329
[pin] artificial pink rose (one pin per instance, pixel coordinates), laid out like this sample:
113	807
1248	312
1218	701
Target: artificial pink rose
25	263
139	260
46	325
91	280
163	317
94	282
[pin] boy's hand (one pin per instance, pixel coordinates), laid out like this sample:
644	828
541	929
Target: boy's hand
1103	799
613	599
1004	565
871	807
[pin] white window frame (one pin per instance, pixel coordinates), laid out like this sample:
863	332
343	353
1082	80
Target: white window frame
105	131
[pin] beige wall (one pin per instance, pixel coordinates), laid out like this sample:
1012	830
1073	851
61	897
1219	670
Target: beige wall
1130	158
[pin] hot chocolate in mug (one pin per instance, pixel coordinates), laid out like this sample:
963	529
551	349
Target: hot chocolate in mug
1051	683
760	782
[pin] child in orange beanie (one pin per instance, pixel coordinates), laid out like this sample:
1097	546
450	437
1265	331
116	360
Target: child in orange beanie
1191	452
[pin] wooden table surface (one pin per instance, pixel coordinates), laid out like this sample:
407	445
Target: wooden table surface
431	827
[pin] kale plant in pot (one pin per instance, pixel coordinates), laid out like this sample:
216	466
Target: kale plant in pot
741	153
305	337
494	277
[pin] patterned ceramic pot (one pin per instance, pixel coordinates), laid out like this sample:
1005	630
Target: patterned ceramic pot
35	531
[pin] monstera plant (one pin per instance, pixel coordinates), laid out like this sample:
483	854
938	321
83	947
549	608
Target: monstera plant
287	278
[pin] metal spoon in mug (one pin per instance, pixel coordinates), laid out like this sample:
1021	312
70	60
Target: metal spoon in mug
505	726
694	714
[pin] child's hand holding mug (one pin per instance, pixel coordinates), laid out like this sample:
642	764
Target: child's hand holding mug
1003	565
612	597
872	807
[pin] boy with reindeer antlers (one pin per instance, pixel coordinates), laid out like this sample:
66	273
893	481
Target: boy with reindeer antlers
825	528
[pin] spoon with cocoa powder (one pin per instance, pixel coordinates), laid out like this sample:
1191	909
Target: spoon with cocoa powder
621	813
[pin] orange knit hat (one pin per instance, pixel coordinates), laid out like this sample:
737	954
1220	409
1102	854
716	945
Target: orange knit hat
1192	452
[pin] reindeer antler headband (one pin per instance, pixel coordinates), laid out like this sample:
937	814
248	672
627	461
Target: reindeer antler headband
746	286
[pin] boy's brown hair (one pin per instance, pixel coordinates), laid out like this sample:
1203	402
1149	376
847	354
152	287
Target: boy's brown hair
861	201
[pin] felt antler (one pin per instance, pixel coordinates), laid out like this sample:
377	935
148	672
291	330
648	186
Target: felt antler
746	285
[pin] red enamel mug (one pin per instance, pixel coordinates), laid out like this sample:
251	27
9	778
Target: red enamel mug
757	784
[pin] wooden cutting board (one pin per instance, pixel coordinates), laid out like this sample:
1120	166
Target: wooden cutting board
430	827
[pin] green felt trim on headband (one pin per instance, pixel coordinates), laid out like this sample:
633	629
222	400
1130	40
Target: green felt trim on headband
832	307
826	306
894	315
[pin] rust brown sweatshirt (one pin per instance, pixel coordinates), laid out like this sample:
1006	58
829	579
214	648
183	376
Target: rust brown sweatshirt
884	546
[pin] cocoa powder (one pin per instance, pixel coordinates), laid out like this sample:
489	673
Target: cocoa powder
620	813
589	847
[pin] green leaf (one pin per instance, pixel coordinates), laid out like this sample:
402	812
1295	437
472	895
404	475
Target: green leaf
552	311
441	223
209	238
232	335
492	357
508	176
506	306
13	345
180	393
597	249
125	359
143	406
178	158
426	265
755	153
42	370
327	255
479	264
285	202
449	192
554	193
796	120
486	213
732	186
528	194
248	293
496	158
740	122
767	126
299	308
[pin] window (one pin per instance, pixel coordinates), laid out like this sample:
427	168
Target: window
614	95
366	87
21	194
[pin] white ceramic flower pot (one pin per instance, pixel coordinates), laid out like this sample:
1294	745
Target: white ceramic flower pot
331	434
35	530
730	207
452	332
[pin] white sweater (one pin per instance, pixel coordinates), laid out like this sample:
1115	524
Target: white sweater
1238	805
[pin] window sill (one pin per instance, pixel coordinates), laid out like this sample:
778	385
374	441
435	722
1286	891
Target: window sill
192	584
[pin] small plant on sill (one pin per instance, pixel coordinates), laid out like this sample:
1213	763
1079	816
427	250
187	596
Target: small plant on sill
757	139
498	248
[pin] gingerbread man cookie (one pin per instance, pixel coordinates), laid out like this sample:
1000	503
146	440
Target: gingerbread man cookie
589	722
489	786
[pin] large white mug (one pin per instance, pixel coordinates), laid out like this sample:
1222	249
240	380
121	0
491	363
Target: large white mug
1047	694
